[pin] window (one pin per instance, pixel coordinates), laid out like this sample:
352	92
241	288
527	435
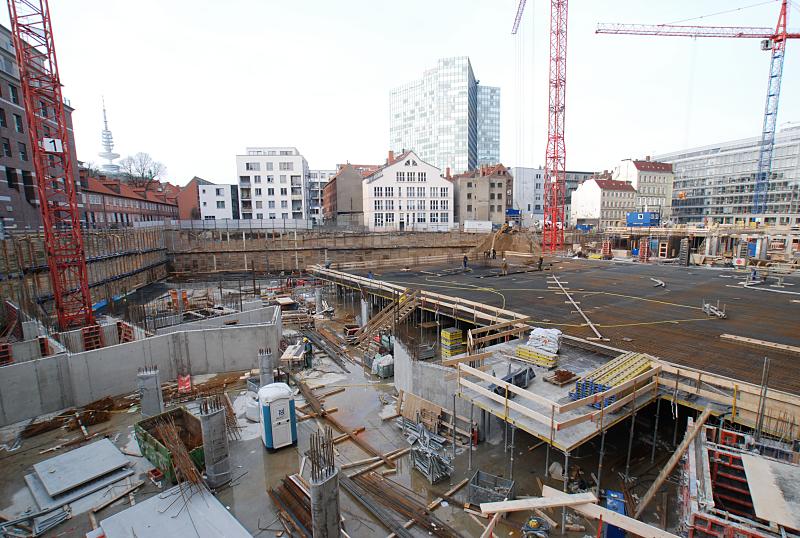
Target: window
270	179
258	192
14	92
491	196
445	191
284	191
23	151
377	192
43	108
270	192
434	217
220	191
272	216
283	178
18	123
252	166
445	204
378	219
401	176
444	217
284	204
378	205
389	205
499	195
269	166
6	147
389	218
434	205
412	205
271	204
256	179
3	122
420	217
244	179
390	192
420	192
469	196
205	203
409	192
221	204
411	176
469	184
289	165
423	176
11	178
259	204
259	215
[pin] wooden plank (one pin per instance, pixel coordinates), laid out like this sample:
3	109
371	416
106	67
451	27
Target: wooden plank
502	401
673	461
594	511
528	395
600	396
623	401
490	527
537	502
489	338
467	358
761	343
117	497
497	326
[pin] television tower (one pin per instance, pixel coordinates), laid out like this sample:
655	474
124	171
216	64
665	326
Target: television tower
107	140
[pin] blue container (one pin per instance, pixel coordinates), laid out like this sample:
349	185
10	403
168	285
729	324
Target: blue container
278	418
643	218
615	501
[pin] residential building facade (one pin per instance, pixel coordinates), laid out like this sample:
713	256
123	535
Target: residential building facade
273	183
343	195
317	179
652	181
529	192
19	197
602	203
483	194
111	203
446	117
715	183
218	201
407	194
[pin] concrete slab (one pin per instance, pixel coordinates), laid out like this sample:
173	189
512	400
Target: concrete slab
171	514
45	501
71	469
773	488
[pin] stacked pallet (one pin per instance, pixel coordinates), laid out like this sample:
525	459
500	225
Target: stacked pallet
452	342
536	356
613	373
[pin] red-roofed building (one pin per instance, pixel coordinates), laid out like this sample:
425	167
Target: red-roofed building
113	203
602	202
653	183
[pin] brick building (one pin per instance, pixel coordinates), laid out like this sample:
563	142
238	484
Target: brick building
115	204
342	196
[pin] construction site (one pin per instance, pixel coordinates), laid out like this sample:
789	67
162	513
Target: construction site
163	379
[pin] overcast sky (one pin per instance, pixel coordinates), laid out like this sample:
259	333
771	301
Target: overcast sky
195	82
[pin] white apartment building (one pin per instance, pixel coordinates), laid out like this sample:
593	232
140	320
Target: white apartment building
273	183
529	192
407	194
216	201
602	203
317	179
653	183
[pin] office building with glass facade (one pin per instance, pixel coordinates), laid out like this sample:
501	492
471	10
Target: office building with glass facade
447	118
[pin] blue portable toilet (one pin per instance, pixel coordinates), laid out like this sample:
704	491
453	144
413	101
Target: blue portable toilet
278	418
615	501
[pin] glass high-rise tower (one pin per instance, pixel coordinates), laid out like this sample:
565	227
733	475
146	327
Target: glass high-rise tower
447	117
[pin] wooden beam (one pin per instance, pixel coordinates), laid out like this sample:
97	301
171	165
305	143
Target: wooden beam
497	326
467	358
503	334
761	343
623	401
490	527
673	461
537	502
594	511
502	401
600	396
116	497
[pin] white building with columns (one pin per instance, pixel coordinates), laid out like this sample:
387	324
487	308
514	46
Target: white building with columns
407	194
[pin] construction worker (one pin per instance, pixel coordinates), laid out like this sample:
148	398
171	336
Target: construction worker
541	261
308	352
504	268
494	254
465	262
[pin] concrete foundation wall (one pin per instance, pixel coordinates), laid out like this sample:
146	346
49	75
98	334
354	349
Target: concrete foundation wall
250	317
46	385
427	380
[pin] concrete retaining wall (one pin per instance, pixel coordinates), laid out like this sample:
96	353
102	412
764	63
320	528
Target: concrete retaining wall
426	380
251	317
32	388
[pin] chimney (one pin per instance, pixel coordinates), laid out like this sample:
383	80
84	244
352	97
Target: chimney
391	157
447	172
647	158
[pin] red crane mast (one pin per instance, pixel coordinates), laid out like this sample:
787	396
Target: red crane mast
53	161
555	186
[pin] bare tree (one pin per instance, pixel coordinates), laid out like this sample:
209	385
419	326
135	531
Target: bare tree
92	168
141	170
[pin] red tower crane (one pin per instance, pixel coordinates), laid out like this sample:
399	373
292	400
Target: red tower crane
555	187
52	159
772	40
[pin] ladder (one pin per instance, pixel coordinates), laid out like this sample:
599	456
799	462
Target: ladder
683	253
386	317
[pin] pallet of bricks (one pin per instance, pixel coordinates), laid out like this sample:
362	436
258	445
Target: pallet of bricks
541	348
613	373
452	342
536	356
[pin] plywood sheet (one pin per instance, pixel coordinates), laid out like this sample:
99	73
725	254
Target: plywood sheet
71	469
773	487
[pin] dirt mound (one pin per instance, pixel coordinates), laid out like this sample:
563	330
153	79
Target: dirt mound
522	241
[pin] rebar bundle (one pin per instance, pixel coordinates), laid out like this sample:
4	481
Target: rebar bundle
320	454
185	470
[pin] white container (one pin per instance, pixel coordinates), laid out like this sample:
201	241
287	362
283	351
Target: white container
278	419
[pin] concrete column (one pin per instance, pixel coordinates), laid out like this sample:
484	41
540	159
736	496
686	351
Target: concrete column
364	312
151	401
788	246
215	443
266	367
325	514
318	299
